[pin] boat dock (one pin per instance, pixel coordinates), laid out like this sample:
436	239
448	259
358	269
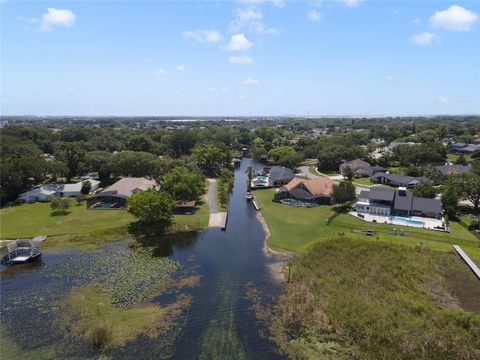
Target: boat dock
467	260
255	204
218	219
20	251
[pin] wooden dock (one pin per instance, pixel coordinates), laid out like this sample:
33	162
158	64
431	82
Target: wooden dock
255	204
467	260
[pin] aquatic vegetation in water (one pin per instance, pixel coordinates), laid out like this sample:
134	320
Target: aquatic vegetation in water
89	312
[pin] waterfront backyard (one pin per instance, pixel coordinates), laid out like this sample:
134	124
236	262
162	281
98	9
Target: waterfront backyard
297	229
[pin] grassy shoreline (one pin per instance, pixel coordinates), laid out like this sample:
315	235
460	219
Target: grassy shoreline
81	227
297	229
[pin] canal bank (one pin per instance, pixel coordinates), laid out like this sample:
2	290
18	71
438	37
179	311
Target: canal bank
218	323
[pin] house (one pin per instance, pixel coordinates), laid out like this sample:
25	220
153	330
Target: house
117	195
394	144
463	148
72	190
318	191
453	169
352	164
38	193
364	171
399	202
396	179
185	207
280	175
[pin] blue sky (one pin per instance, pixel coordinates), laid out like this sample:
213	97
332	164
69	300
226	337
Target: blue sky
344	57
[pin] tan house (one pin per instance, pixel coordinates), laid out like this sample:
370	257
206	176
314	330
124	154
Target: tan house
314	191
116	196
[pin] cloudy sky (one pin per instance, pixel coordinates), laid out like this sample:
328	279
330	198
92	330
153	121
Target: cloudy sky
343	57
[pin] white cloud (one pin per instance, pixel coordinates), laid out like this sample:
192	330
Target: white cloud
442	100
179	67
212	36
425	38
351	3
250	81
277	3
314	15
160	74
240	60
57	17
239	42
455	18
250	20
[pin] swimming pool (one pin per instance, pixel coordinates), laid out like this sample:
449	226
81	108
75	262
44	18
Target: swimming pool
294	202
398	220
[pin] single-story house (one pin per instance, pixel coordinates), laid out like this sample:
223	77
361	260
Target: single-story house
117	195
38	193
352	164
453	169
463	148
396	179
318	191
280	175
398	202
394	144
185	207
369	170
71	190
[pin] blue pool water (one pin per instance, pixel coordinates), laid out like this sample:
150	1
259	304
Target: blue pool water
398	220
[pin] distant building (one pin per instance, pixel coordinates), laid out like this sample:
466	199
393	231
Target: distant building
318	191
38	193
400	202
395	179
394	144
117	195
352	164
453	169
462	148
72	190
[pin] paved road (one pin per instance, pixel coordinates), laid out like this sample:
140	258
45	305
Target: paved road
212	191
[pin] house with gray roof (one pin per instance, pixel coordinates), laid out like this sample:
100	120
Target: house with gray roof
398	202
453	169
395	179
280	175
462	148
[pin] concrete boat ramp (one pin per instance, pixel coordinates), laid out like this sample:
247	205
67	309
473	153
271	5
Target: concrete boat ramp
217	219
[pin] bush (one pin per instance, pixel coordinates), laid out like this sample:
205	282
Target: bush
100	335
59	206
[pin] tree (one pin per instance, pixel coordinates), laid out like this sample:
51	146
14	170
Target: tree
424	190
277	153
291	160
86	187
344	192
183	184
210	158
461	160
450	199
348	173
470	188
59	206
134	163
249	172
152	207
73	155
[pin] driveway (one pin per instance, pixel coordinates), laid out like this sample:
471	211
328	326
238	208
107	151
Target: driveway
304	172
212	191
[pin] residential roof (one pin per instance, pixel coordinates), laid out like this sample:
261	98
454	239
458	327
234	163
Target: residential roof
394	144
354	164
453	169
281	173
382	194
77	187
185	204
427	205
126	187
398	178
321	186
40	190
403	202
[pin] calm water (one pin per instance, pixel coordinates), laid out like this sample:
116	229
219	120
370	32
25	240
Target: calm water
219	324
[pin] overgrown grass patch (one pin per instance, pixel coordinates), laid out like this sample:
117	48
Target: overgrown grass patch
354	299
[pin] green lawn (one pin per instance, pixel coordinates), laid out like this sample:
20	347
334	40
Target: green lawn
80	227
297	229
364	181
454	157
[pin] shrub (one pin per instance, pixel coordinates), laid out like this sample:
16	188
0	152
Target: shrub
100	335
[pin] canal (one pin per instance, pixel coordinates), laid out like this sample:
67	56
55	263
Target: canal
219	323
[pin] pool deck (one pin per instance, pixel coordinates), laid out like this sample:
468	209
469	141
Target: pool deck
428	223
